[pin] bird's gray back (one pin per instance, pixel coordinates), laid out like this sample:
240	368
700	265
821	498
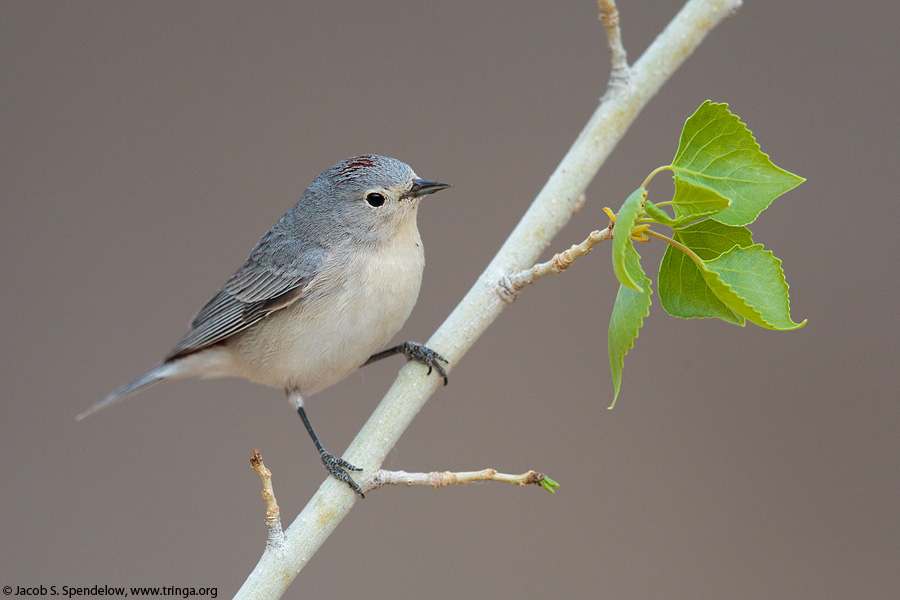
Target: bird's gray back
324	223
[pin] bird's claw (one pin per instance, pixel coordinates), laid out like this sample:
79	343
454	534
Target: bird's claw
335	466
428	357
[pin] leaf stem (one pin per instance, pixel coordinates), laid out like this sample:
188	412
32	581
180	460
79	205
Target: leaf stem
653	173
691	254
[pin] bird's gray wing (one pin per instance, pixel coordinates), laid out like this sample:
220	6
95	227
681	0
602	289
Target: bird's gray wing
277	273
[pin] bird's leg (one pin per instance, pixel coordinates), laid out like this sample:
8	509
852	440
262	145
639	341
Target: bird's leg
333	464
417	352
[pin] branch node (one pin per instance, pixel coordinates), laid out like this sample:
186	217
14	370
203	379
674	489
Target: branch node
562	261
508	288
534	478
579	204
442	479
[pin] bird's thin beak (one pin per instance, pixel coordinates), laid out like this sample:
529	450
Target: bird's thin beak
422	187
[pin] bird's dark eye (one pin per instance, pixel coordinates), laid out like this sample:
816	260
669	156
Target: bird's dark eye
375	199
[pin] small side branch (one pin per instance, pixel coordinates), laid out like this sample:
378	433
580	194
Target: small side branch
511	285
273	513
620	75
437	479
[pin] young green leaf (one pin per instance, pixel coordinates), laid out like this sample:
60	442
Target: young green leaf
717	152
684	293
625	220
682	290
710	239
627	317
658	214
693	202
751	283
548	484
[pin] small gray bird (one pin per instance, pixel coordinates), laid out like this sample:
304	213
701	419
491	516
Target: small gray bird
322	292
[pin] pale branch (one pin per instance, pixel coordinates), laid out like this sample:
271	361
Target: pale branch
511	285
273	513
620	74
549	212
441	479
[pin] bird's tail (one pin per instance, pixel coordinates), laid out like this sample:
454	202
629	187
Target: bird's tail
157	373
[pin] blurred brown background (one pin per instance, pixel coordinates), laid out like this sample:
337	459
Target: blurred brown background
148	146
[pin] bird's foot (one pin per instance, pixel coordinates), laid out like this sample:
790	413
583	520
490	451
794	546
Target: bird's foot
425	355
336	467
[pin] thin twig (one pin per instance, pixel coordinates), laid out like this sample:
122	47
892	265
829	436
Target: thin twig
441	479
273	513
513	284
620	74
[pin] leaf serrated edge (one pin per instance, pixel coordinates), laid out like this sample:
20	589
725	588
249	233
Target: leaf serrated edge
617	385
682	147
762	322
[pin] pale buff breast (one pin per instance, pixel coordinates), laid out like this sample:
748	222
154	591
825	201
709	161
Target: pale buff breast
339	322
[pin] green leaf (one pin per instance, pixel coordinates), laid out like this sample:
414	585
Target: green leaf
625	220
658	214
710	239
693	202
683	292
548	484
751	283
717	152
627	317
